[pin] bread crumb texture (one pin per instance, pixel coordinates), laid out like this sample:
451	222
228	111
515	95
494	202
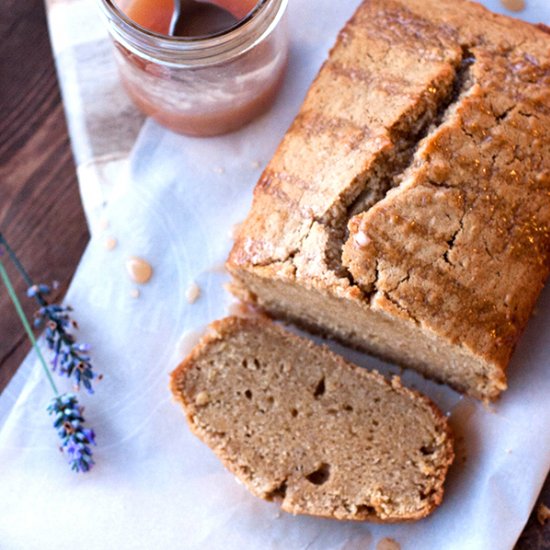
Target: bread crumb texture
299	425
407	209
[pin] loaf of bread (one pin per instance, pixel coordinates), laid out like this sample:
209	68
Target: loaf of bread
297	424
406	211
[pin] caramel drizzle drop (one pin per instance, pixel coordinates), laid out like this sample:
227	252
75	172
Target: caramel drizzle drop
139	270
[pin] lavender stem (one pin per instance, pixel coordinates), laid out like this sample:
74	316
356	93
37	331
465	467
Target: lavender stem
24	320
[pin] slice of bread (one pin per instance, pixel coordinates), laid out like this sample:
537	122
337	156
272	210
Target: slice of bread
298	424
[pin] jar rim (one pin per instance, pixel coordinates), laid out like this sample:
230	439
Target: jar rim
200	50
111	5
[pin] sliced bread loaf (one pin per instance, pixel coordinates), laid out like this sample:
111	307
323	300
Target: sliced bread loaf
298	424
407	209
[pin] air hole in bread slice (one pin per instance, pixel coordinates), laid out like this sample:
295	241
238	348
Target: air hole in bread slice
319	476
320	388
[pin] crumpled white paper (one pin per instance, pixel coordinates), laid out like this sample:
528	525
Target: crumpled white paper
155	485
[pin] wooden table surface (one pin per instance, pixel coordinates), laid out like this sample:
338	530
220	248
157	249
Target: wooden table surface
40	210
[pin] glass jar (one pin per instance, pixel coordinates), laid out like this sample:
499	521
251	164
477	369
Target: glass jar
208	85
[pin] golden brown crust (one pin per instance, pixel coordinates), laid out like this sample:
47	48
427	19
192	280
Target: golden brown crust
187	387
414	183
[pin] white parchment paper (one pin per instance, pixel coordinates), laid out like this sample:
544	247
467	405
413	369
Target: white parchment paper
174	202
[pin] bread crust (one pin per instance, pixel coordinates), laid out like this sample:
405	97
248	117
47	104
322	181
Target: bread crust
453	245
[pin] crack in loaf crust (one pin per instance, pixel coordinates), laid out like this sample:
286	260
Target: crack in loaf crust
407	209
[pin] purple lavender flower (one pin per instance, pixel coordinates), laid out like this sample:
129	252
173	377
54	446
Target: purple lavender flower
70	359
75	438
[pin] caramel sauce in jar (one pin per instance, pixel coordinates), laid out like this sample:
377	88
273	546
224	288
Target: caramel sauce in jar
201	85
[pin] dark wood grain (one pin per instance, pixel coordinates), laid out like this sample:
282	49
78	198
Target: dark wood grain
40	211
536	536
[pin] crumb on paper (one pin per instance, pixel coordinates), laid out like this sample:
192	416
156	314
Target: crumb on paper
509	451
192	293
218	170
134	293
388	544
110	243
202	398
543	513
103	224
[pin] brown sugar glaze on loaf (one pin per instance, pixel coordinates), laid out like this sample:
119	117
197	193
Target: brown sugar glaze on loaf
407	209
299	425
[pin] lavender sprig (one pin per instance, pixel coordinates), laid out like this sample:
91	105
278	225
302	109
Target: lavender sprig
69	422
70	358
75	438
